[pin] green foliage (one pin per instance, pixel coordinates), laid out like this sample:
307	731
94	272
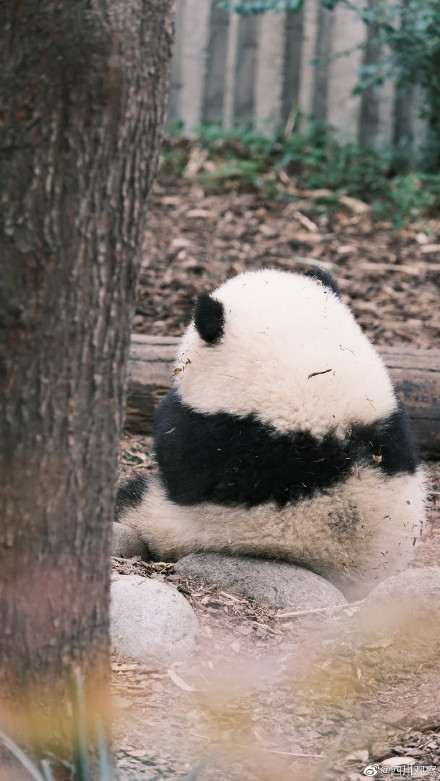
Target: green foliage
410	37
25	761
406	34
43	767
244	7
409	196
275	166
42	770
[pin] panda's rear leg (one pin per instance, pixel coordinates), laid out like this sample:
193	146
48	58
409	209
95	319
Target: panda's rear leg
130	494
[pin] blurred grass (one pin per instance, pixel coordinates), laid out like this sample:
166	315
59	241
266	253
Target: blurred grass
338	667
277	165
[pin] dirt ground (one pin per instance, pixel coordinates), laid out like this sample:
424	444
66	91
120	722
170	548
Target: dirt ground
267	697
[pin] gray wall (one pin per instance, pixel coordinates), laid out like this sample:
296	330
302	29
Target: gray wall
232	68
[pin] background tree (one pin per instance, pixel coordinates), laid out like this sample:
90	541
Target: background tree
404	36
83	85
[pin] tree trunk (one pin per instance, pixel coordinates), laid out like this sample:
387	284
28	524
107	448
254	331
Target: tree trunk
82	90
415	374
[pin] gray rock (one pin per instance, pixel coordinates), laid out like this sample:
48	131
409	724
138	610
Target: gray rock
126	542
408	602
274	583
150	622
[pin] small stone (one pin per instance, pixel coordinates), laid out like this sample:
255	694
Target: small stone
275	583
150	622
398	761
121	703
361	755
394	717
379	751
126	542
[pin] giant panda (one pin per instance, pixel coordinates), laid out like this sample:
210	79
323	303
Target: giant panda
282	438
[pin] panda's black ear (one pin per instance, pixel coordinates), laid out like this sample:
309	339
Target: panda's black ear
325	278
209	318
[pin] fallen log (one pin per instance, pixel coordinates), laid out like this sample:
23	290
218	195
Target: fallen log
416	376
149	378
415	373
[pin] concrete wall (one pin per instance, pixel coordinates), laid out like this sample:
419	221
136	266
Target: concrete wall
233	68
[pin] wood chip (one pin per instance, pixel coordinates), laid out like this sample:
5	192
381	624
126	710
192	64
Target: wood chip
306	222
427	249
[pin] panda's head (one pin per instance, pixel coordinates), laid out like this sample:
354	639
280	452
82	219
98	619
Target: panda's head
284	347
209	312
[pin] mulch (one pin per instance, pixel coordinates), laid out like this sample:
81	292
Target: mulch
196	241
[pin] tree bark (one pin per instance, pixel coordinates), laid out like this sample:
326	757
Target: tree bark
82	89
415	374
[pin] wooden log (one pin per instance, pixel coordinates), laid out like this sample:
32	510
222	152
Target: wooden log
415	373
416	376
149	378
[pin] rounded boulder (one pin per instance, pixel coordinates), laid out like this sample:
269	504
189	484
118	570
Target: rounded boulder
150	622
408	602
274	583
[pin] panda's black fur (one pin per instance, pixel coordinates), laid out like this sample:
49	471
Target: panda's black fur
266	446
190	452
325	279
131	493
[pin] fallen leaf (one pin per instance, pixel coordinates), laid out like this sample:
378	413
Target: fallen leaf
179	681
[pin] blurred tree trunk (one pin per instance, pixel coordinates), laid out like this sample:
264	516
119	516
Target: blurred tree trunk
82	93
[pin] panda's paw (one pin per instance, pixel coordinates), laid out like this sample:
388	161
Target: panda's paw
127	542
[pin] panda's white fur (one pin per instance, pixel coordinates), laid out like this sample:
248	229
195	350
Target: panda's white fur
291	356
280	329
